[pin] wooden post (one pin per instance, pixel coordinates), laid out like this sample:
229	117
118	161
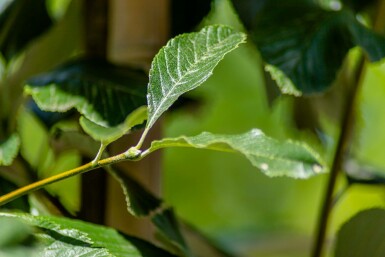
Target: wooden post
137	31
96	38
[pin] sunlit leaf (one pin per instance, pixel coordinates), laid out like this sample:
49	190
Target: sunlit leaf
73	238
107	135
272	157
9	150
363	235
308	43
168	227
185	63
139	200
102	92
19	25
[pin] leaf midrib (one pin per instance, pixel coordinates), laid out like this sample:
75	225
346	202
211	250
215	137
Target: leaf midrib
177	83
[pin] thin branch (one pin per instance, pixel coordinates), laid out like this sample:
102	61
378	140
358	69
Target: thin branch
67	174
342	145
344	139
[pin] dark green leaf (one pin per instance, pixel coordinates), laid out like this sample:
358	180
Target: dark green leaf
21	22
73	238
9	150
102	92
147	249
168	226
309	43
139	200
185	63
272	157
358	5
363	235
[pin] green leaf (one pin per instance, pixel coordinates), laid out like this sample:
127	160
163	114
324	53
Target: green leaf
272	157
308	43
283	82
72	238
103	93
9	150
16	239
168	226
37	151
13	232
67	191
358	5
363	235
107	135
185	63
140	201
19	25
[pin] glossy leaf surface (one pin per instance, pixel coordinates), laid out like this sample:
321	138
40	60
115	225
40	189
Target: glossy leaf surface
272	157
9	150
65	237
185	63
102	92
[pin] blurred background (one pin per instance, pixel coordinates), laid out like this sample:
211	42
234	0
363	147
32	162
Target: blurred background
220	194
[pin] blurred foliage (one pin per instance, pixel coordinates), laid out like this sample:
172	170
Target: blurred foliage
245	210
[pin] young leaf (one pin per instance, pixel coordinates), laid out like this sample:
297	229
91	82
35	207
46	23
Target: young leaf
272	157
139	200
72	238
185	63
363	235
102	92
107	135
168	226
9	150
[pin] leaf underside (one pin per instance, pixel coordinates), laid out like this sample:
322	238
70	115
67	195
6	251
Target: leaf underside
140	201
309	43
107	135
102	92
168	226
185	63
272	157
